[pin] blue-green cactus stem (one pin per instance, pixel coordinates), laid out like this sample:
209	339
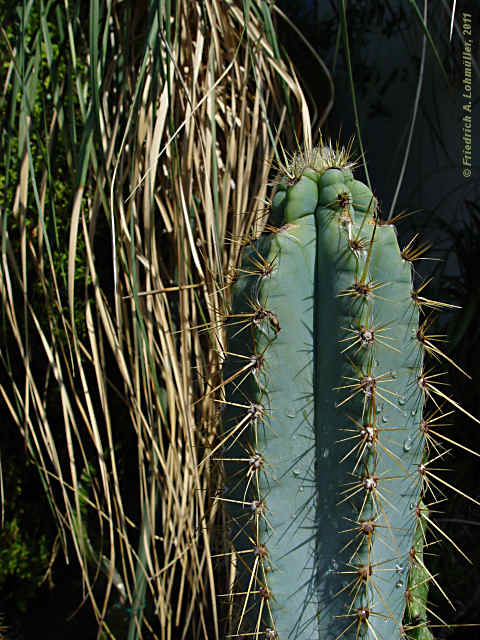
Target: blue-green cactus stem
323	406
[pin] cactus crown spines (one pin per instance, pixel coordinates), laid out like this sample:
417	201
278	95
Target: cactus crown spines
314	162
340	430
322	157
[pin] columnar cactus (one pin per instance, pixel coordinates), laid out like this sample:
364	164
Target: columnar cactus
324	436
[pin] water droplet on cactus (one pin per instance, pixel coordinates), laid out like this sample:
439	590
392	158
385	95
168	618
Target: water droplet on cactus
302	488
399	584
290	412
393	374
376	363
413	412
325	452
407	445
296	473
384	419
401	401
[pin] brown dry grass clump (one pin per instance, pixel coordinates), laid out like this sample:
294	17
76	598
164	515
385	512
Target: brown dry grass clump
144	147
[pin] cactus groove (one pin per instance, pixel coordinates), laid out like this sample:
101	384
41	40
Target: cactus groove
323	443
